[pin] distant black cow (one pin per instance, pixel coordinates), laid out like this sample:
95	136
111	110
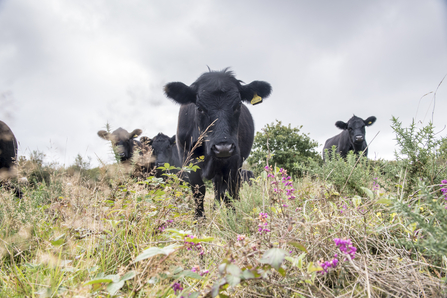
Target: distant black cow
164	150
247	175
214	102
351	138
8	156
123	142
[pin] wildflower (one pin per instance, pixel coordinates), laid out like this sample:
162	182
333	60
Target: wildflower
240	237
177	287
191	245
345	246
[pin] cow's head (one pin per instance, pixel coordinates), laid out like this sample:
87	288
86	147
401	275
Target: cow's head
123	142
161	148
218	98
356	128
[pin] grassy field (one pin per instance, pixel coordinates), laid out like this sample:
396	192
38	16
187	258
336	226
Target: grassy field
100	233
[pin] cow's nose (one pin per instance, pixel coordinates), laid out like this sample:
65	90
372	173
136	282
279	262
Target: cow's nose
359	138
223	150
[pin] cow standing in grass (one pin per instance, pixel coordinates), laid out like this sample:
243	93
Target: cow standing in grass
8	156
212	109
125	145
351	138
164	150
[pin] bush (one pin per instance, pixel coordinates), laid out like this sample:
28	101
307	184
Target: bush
284	146
418	154
348	175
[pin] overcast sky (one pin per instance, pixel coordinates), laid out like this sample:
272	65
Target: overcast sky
69	67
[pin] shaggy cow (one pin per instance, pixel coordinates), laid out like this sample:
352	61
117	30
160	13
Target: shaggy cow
215	129
123	142
351	138
8	156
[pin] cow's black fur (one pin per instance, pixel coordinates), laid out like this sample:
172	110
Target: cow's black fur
164	150
123	142
351	138
214	102
8	156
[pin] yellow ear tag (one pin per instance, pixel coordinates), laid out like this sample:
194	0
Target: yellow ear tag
256	99
369	122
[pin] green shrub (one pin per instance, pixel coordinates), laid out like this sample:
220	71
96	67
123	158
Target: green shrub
348	175
418	154
284	146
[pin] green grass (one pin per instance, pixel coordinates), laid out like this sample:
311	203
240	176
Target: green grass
83	237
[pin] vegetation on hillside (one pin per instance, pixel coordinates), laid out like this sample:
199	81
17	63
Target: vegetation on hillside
346	228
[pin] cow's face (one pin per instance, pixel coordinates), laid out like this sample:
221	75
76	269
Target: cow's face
162	148
123	142
356	128
218	98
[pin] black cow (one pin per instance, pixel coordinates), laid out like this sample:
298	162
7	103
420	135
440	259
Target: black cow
247	175
213	104
123	142
8	156
351	138
164	150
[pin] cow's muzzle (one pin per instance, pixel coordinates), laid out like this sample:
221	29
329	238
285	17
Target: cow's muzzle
223	150
359	139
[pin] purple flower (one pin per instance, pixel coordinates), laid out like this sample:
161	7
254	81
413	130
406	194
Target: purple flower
345	246
177	287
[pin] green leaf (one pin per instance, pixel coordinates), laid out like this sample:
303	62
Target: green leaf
273	257
153	251
297	262
357	201
368	192
128	275
99	281
384	201
233	270
247	274
216	287
298	245
282	271
197	240
188	273
311	268
233	280
114	287
194	295
58	241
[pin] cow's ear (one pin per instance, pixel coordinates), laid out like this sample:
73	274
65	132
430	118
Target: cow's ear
172	140
255	91
104	134
135	133
370	120
341	125
180	93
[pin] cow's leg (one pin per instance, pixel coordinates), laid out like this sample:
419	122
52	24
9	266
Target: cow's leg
198	189
217	182
234	183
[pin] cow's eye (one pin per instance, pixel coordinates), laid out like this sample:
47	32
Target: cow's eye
200	110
